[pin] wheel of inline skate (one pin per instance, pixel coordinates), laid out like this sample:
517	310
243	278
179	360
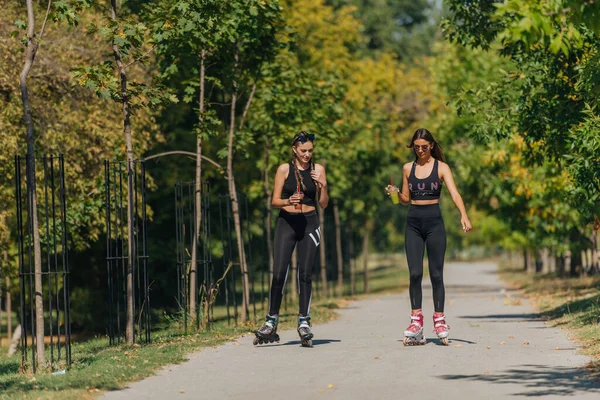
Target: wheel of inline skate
307	343
256	341
405	341
445	341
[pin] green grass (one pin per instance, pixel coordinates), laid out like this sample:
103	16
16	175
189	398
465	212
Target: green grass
98	367
569	303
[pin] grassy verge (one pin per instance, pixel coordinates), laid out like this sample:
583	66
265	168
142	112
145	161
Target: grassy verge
98	367
570	303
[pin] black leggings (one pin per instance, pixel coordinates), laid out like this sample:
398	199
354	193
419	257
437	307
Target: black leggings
425	227
301	231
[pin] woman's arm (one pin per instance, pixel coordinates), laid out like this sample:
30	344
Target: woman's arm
446	176
405	193
320	177
280	177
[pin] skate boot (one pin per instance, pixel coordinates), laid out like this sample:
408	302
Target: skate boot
413	335
268	332
304	331
440	328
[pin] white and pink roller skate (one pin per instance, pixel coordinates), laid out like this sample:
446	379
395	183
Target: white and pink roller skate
440	328
413	335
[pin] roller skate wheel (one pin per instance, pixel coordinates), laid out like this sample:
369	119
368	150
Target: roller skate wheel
405	341
307	343
445	341
255	341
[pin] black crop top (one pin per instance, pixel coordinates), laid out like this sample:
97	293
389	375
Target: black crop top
290	185
429	188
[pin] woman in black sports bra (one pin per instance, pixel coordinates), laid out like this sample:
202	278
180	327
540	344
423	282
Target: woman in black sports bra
298	186
422	182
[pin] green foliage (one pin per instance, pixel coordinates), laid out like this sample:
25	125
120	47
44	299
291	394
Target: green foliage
546	96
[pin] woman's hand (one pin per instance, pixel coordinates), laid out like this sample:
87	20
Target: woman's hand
295	199
391	188
466	224
319	178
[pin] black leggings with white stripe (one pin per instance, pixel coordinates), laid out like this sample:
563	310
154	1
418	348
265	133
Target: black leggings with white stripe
303	232
425	228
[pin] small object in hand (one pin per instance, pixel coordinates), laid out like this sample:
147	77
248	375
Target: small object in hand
394	192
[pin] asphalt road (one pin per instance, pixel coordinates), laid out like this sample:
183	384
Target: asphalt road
499	348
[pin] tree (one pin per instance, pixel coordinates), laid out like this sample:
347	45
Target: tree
127	38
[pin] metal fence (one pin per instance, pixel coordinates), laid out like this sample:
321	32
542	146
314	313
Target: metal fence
43	262
126	182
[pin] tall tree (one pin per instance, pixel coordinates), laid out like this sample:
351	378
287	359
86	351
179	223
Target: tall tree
128	41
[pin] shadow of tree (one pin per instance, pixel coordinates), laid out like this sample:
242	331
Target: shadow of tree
541	380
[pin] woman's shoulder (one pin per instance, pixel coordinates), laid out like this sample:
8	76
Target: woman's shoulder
407	166
283	168
319	167
442	165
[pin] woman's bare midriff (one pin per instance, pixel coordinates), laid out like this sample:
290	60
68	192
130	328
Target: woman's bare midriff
292	209
424	202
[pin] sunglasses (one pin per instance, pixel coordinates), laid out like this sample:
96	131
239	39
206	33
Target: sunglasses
305	137
424	148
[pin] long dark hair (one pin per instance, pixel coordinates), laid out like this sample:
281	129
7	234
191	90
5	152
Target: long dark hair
424	134
297	139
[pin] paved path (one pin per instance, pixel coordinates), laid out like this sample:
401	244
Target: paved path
499	349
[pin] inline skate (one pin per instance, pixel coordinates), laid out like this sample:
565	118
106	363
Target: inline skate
304	331
268	332
413	335
440	328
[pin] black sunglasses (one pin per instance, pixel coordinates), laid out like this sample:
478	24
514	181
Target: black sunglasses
424	148
305	137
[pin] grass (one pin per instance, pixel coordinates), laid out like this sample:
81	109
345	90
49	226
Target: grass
570	303
98	367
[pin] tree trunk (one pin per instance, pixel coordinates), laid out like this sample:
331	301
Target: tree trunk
545	258
338	248
560	265
595	255
525	260
198	194
322	254
8	306
234	201
365	255
30	53
575	267
15	340
268	211
1	296
129	328
294	275
352	260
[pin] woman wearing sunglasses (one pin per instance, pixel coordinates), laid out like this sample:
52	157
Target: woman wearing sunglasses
421	188
298	186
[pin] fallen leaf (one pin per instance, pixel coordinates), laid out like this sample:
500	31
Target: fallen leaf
376	357
489	347
181	391
330	386
557	348
526	343
321	391
511	337
502	342
485	373
458	345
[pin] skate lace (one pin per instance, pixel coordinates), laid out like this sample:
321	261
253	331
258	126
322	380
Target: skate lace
439	325
415	323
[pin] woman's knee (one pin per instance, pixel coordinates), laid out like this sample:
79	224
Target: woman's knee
416	276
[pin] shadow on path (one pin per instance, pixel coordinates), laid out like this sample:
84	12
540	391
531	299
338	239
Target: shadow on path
506	317
316	342
541	380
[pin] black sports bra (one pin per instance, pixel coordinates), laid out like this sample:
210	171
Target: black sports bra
429	188
290	185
